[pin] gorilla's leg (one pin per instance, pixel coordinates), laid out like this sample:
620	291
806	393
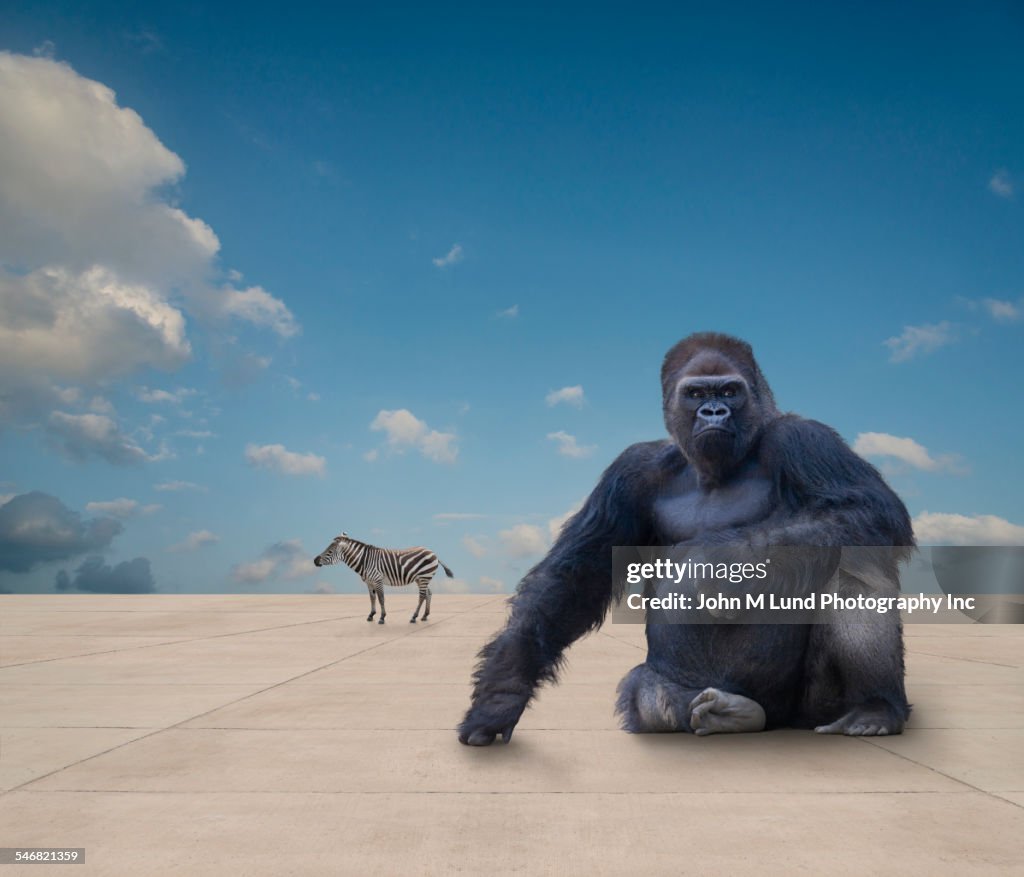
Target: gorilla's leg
855	670
650	703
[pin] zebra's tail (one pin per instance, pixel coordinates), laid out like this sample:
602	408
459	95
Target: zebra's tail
447	571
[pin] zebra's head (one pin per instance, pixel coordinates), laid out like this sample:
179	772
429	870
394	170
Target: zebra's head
332	553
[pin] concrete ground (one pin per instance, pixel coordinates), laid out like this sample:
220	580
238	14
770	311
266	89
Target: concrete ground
285	735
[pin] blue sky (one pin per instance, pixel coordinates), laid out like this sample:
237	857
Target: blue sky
265	278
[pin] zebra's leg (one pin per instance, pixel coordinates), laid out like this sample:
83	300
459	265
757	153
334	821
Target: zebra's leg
418	605
426	613
380	596
373	603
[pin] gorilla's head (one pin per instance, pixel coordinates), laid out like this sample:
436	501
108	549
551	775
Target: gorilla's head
716	402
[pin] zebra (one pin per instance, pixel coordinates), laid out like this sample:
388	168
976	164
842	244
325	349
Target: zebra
385	566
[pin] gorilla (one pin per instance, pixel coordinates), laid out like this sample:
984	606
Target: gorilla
735	472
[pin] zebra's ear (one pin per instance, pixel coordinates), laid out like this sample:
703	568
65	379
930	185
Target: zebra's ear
343	535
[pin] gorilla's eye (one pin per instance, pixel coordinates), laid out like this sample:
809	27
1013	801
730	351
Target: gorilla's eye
694	393
729	391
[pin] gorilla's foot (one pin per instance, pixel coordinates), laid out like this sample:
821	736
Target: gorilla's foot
719	712
874	721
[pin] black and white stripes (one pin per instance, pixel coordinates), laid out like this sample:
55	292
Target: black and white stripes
385	566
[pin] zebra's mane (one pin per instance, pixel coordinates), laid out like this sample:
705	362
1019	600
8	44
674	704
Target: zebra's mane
357	542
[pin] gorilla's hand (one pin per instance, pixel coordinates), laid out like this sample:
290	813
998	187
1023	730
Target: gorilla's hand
492	714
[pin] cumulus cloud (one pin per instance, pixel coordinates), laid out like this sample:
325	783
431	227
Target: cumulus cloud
279	459
174	397
178	486
920	340
38	528
937	528
1001	184
475	545
405	430
282	560
442	585
260	308
452	257
567	395
194	541
491	585
1002	311
524	540
83	436
120	508
880	444
555	524
568	446
96	577
509	313
100	268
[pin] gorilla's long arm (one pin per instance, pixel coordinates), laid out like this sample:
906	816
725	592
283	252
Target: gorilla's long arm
563	597
831	497
827	495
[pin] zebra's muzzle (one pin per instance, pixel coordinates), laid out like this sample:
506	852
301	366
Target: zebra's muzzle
316	561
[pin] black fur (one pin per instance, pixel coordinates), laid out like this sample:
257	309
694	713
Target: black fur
786	481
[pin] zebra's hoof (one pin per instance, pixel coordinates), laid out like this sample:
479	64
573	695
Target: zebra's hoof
381	621
370	618
412	621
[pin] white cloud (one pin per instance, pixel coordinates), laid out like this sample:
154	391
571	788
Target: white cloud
178	486
405	430
920	340
259	307
194	541
6	498
282	560
568	395
524	540
475	545
99	265
509	313
555	524
371	455
1003	311
86	325
937	528
1000	184
174	398
121	508
495	586
453	256
279	459
442	585
569	447
82	436
880	444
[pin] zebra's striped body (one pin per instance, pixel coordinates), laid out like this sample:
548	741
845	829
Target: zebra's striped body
378	567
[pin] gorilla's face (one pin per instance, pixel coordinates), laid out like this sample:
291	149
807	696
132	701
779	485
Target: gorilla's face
712	414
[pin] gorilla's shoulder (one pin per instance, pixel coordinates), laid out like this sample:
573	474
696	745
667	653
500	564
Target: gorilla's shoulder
643	466
791	431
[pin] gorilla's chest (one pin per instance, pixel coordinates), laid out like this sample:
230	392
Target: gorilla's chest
684	512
